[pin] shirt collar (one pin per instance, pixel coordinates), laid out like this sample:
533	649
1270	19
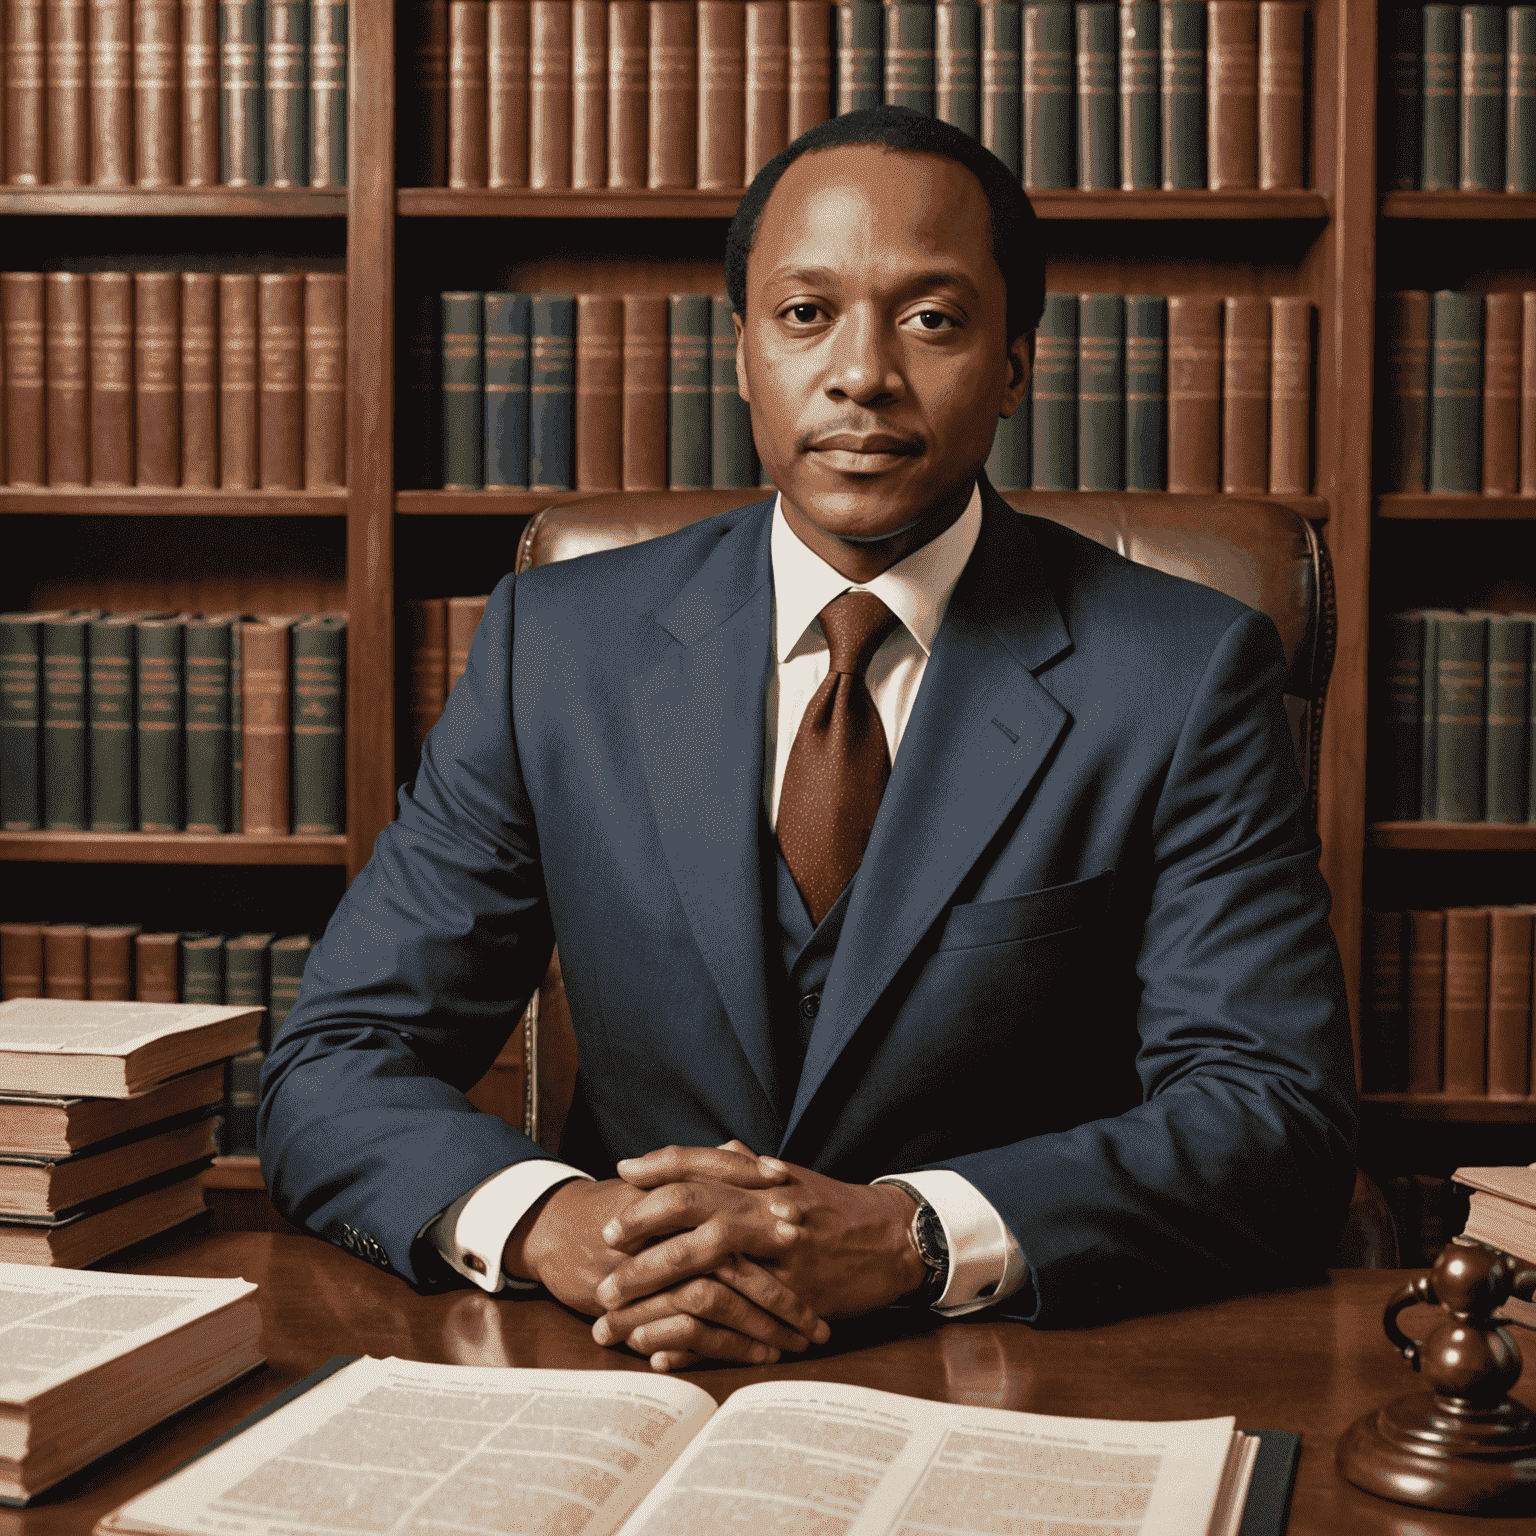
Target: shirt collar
917	590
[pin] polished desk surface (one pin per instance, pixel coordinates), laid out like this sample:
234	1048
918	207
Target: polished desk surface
1310	1359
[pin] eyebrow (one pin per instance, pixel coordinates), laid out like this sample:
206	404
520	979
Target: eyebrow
815	275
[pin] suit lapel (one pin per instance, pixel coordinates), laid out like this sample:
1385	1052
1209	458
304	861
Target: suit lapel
981	729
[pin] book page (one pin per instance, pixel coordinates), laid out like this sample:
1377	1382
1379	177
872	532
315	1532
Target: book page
436	1450
818	1459
58	1323
99	1029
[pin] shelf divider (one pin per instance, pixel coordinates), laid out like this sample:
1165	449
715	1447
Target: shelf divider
170	848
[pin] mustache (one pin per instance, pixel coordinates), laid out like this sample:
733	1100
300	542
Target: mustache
856	436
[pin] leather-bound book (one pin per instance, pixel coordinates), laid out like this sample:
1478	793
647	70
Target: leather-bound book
112	376
1008	462
67	413
202	968
64	960
1049	111
466	93
1456	392
1183	94
463	390
506	389
1098	167
956	65
506	78
860	75
1407	327
156	87
247	965
207	722
673	61
1528	394
66	758
1425	999
909	55
328	94
551	391
325	380
732	458
1404	43
161	739
1505	770
1233	108
26	111
1146	392
1290	397
1520	101
22	306
112	744
242	118
464	615
628	83
1245	397
68	113
428	619
1429	724
111	77
426	149
722	92
288	957
265	696
1053	447
1440	146
810	65
599	392
767	111
199	380
1466	1001
156	968
237	381
549	94
287	92
1194	393
21	960
199	96
1510	934
1461	708
645	391
21	724
157	377
1501	394
1282	57
1482	97
589	93
319	755
1140	109
688	392
1101	392
280	363
1383	1050
1400	792
109	962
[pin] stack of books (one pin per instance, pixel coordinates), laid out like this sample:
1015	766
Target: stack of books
107	1117
173	722
229	381
1503	1209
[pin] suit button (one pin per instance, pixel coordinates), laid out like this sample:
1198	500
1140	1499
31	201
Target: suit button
810	1005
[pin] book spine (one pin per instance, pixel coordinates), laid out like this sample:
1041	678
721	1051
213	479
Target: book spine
111	743
328	94
1194	393
1146	392
66	792
237	725
200	93
909	56
109	964
21	960
1505	773
766	129
111	77
463	390
732	461
1245	397
645	392
859	24
280	361
1482	98
628	78
64	961
1466	1000
1406	83
1501	394
1429	690
1002	101
157	378
160	736
1233	108
1426	999
1440	144
428	165
1101	392
1049	110
207	725
21	737
599	392
325	380
1383	1047
237	381
1290	397
242	131
1456	380
1461	706
688	392
26	407
1408	405
199	380
1509	1001
506	389
287	976
810	65
67	408
722	93
156	81
1528	394
956	35
551	391
1008	463
466	93
26	107
1183	94
673	63
202	969
67	113
1053	454
589	95
1520	101
155	967
1140	114
264	687
112	375
464	615
319	757
1404	711
1098	168
1282	59
549	94
287	91
428	618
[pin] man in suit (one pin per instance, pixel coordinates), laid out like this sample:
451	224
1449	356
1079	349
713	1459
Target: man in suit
935	896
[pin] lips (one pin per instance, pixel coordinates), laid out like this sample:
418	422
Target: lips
866	443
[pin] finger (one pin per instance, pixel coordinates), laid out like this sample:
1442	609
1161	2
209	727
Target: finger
697	1252
736	1144
711	1301
681	1332
774	1297
683	1207
673	1360
670	1165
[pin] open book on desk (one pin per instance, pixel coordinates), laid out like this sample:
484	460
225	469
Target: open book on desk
397	1446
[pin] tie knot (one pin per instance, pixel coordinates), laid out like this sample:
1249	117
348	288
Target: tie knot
854	625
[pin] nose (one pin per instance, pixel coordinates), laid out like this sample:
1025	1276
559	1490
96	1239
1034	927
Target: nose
864	364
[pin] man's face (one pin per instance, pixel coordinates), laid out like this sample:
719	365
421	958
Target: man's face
873	353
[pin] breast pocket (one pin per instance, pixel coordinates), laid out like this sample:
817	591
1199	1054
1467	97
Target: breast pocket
1034	915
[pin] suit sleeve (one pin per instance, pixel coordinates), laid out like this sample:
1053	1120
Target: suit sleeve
1235	1169
365	1132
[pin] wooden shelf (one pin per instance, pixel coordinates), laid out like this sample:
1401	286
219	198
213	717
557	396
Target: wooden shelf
169	848
163	202
1454	836
1459	205
1446	1106
1408	506
1066	203
234	1173
147	502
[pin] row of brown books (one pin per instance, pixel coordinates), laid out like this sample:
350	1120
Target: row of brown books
441	629
201	380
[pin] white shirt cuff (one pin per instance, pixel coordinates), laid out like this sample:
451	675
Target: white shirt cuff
986	1262
473	1231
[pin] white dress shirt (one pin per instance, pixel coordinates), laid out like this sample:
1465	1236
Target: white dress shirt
985	1261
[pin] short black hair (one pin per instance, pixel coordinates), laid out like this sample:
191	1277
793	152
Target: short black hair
1015	239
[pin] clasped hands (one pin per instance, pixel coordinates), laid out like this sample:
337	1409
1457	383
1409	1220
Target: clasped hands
715	1253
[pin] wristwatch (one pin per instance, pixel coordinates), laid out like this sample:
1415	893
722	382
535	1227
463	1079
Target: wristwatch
927	1234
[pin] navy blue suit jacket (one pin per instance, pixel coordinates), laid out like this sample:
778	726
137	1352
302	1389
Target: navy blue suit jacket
1086	962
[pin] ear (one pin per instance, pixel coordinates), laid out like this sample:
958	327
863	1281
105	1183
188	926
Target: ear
1021	358
741	362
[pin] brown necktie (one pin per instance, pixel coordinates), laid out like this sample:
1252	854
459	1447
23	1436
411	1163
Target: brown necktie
839	763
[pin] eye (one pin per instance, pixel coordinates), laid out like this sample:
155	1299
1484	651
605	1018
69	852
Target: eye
935	319
803	314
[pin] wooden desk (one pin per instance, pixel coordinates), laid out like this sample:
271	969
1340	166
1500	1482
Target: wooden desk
1310	1360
